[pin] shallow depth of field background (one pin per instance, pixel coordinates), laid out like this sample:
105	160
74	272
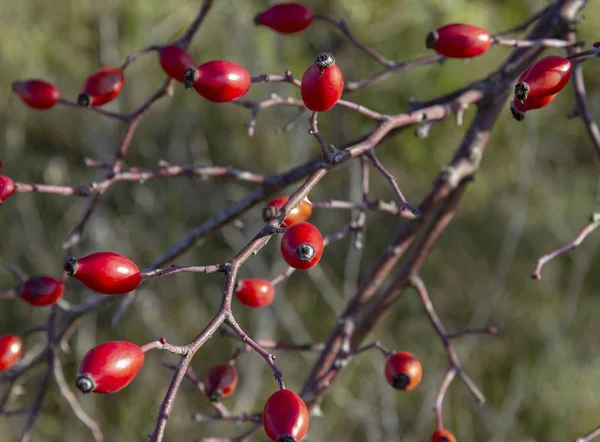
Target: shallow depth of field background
536	188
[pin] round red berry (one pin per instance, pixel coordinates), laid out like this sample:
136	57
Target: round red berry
300	213
403	371
101	87
285	417
546	77
442	435
7	188
11	349
105	272
302	246
255	292
220	382
219	81
459	40
37	94
109	367
41	290
286	18
519	108
175	61
322	84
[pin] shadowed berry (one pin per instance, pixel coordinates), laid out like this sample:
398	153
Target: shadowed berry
286	18
37	94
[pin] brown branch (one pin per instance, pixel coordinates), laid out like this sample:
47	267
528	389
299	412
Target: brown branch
590	436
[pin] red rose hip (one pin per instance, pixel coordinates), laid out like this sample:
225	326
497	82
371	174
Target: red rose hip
11	349
41	290
285	417
175	61
109	367
286	18
300	213
101	87
7	188
546	77
220	382
105	272
403	371
37	94
442	435
302	246
459	40
219	81
255	292
322	84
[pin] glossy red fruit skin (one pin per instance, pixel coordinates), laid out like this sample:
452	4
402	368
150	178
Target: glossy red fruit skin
221	81
109	367
255	292
220	382
298	214
11	349
7	188
175	61
442	435
105	272
322	85
37	94
286	18
546	77
403	371
518	108
285	414
40	291
459	40
295	238
101	87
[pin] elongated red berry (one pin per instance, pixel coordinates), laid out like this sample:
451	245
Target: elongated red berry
322	84
219	81
459	40
175	61
220	382
101	87
300	213
7	188
255	292
41	290
285	417
403	371
546	77
286	18
11	349
109	367
518	108
302	246
105	272
442	435
37	94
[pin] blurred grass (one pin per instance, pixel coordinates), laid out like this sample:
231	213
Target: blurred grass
536	188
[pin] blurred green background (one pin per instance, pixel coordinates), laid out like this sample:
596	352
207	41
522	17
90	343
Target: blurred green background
535	190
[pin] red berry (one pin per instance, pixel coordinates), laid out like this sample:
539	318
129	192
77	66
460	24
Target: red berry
286	18
442	435
322	84
109	367
175	61
546	77
101	87
302	246
37	93
403	371
41	290
518	108
300	213
255	292
219	81
105	272
7	188
11	349
285	417
459	40
220	382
